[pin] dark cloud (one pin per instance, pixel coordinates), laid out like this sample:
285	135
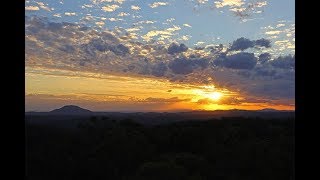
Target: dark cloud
106	36
120	50
264	57
159	69
84	28
284	62
175	48
165	100
263	43
216	49
241	44
54	26
276	88
88	49
184	65
199	48
99	45
244	43
265	71
67	48
242	60
102	46
35	24
232	101
131	67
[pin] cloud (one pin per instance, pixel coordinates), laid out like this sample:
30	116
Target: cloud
43	6
273	32
120	49
134	29
110	8
199	43
241	8
165	34
242	60
187	25
135	8
232	3
165	100
284	62
264	57
70	13
145	22
261	4
77	48
119	1
170	19
115	19
282	35
102	46
67	48
121	14
159	69
157	4
109	1
241	44
185	66
280	25
57	15
86	6
202	1
244	43
263	43
100	23
185	38
236	100
32	8
175	48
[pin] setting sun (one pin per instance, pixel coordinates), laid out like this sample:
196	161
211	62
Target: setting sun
215	96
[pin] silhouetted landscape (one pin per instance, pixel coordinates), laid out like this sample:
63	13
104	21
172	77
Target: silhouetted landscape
159	90
75	143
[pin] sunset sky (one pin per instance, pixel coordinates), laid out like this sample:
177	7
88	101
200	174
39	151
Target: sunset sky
134	55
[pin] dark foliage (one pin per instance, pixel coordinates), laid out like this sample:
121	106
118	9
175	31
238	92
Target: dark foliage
102	148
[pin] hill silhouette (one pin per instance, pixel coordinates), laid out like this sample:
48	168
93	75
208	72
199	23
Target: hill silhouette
70	109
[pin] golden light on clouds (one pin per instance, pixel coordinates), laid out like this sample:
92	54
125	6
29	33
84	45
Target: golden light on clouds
45	88
208	92
215	96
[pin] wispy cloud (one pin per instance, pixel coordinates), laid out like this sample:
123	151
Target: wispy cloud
164	34
135	8
32	8
187	25
273	32
108	1
100	23
57	15
43	6
121	14
157	4
110	8
70	13
232	3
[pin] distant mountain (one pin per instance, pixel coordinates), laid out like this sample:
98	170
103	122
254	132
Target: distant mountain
71	109
268	110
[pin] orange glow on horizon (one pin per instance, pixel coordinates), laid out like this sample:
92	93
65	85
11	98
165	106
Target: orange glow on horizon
135	93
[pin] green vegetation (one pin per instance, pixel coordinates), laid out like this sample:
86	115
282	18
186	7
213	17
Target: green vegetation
102	148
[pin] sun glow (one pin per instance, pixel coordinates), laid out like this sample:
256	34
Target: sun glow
215	96
209	92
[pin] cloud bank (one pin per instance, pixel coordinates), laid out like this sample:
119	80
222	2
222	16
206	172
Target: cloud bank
61	45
